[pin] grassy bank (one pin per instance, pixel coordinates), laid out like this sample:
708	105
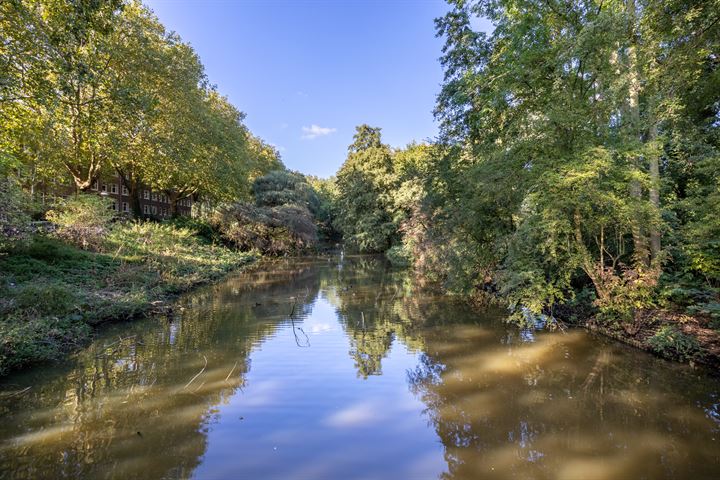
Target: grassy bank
52	294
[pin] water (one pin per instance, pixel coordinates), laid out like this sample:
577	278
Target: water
328	368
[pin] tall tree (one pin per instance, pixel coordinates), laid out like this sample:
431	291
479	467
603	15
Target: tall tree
365	183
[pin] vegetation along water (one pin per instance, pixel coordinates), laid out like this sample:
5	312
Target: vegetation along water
343	367
531	292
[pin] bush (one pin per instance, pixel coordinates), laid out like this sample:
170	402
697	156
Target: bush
37	339
14	218
271	230
711	309
45	299
282	187
670	342
633	290
83	220
202	228
399	256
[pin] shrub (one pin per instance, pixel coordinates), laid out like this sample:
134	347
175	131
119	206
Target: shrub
14	219
38	339
201	227
711	309
670	342
624	294
83	220
399	256
270	230
46	299
282	187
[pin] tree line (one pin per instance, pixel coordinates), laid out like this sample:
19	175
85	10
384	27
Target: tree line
578	164
90	89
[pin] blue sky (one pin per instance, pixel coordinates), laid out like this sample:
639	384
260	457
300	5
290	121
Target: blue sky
307	72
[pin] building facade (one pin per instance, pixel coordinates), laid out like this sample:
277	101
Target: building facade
153	204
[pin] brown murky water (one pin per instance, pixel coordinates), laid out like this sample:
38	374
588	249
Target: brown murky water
340	369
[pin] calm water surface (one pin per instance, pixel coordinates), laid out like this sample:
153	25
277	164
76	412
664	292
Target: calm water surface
341	369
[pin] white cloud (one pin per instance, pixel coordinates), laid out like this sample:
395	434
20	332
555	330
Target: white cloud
356	415
314	131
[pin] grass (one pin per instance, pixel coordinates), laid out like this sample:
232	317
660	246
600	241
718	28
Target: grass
52	294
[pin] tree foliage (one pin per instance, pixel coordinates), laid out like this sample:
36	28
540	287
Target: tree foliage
579	149
281	221
91	89
364	185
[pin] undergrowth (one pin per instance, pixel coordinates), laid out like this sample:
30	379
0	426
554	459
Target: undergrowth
52	293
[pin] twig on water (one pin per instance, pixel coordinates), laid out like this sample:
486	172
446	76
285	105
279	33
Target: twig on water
14	394
292	322
118	341
231	371
197	374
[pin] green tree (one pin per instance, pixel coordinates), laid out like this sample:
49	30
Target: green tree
364	183
556	124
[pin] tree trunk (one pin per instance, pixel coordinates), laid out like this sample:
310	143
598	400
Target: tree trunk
640	240
173	196
654	194
132	183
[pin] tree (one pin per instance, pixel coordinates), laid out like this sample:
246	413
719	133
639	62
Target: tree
364	184
555	125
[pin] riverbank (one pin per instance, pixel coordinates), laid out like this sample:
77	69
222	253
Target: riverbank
53	295
671	335
668	333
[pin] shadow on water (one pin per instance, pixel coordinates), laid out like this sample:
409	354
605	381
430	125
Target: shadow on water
301	369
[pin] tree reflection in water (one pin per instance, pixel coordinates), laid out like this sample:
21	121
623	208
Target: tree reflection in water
143	400
561	406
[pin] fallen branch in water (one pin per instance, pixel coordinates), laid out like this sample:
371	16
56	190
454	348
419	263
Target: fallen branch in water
197	374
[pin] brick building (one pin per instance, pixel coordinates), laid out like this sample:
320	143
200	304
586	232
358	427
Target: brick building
153	204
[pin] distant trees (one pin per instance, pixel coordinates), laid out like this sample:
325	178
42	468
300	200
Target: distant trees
364	184
96	88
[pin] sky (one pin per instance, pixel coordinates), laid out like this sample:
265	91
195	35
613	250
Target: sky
306	72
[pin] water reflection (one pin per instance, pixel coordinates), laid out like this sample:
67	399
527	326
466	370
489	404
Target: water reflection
562	407
301	370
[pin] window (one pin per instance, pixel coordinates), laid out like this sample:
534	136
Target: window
113	188
154	210
95	185
125	190
146	209
164	212
154	197
104	187
114	206
126	207
146	194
